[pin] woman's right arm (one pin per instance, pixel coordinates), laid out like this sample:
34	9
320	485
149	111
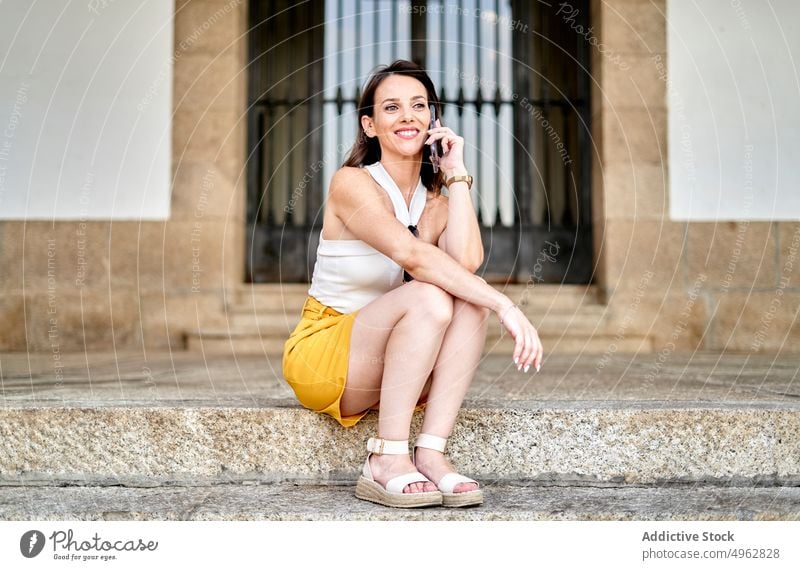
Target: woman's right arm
359	206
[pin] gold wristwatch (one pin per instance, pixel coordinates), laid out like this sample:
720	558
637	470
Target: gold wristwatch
466	178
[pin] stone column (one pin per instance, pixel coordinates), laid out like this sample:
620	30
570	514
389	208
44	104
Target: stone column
642	254
202	246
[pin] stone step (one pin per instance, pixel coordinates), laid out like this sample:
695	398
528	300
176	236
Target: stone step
563	330
569	319
249	341
284	297
288	502
268	297
588	320
558	324
178	419
235	342
272	323
569	343
276	441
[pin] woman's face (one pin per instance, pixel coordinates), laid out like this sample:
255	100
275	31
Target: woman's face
400	117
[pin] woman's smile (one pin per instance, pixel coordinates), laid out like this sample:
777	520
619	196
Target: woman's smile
407	133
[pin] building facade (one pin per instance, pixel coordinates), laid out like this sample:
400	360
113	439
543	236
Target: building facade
81	282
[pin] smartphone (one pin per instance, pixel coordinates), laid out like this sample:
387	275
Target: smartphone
436	146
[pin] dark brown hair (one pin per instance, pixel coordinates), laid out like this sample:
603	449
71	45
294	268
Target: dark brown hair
368	150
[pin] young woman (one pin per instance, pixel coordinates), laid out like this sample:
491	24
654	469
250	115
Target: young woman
395	319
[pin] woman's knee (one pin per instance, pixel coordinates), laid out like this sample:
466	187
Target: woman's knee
435	302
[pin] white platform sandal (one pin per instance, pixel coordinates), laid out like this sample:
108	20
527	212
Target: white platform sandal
448	483
392	495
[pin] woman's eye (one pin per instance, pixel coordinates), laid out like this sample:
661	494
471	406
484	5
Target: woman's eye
391	107
419	106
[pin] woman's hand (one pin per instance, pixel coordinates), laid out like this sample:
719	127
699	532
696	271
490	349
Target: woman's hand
452	160
528	348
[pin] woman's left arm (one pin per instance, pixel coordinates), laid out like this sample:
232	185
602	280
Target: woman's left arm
461	238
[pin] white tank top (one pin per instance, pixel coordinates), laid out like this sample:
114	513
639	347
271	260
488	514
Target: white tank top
349	273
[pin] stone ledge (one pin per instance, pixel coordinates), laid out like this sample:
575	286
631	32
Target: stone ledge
502	502
191	419
515	440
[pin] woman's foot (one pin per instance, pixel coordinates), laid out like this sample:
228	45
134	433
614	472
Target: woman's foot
385	467
434	465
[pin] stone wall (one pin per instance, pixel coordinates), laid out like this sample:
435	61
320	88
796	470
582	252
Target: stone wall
726	285
101	285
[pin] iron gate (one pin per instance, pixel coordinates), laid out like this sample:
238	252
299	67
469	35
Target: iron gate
513	78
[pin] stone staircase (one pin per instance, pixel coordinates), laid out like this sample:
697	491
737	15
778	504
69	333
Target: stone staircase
173	436
569	318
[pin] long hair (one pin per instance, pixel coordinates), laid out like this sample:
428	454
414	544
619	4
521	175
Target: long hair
368	150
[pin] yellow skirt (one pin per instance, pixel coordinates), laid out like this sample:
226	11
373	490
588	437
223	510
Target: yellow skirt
316	358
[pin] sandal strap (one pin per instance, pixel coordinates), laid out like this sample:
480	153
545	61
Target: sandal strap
397	484
380	446
431	442
449	482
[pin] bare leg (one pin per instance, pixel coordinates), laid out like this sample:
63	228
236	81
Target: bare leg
393	347
452	374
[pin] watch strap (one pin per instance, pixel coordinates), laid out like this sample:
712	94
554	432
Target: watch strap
463	177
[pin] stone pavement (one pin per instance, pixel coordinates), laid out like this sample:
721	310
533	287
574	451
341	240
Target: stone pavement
338	502
180	435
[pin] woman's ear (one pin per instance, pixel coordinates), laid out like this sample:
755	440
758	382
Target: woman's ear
366	126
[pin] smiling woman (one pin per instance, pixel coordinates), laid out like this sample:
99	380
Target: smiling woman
366	339
373	140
